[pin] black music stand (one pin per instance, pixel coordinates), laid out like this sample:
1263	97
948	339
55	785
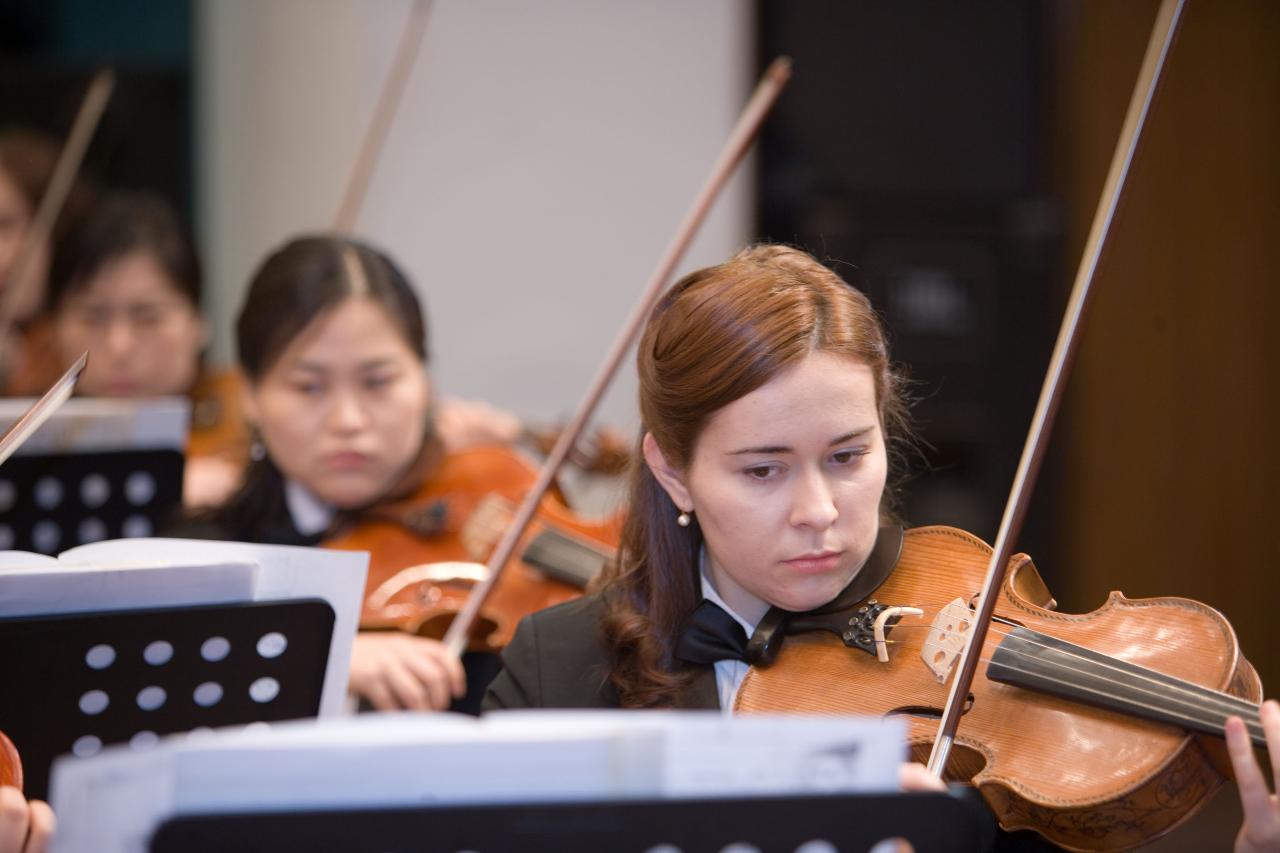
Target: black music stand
51	502
77	682
931	822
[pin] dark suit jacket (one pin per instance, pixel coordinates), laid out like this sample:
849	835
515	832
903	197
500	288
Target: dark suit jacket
557	659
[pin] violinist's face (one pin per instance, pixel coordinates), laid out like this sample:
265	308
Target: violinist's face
15	219
342	410
142	334
786	484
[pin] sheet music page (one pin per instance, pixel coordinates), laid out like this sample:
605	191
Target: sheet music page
115	803
392	760
62	587
372	760
755	755
24	559
705	753
284	572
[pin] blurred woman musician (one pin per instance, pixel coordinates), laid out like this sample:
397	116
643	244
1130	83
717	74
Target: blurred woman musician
769	411
126	288
333	347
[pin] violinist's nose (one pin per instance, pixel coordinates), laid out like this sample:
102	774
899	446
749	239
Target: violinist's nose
347	415
118	339
813	503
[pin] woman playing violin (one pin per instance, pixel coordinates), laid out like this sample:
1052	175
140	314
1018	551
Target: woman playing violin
126	289
770	412
333	347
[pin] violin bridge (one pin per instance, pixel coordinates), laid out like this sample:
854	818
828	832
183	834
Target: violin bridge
484	526
946	638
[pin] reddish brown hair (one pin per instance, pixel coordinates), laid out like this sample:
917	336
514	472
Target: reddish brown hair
717	335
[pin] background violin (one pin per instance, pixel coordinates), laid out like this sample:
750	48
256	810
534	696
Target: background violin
427	551
1100	731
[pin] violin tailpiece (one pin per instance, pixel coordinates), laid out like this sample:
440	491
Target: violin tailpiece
869	627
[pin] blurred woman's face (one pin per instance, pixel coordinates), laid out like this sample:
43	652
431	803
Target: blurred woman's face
15	221
142	334
343	410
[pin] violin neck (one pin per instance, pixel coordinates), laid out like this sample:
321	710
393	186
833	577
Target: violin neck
1036	661
566	558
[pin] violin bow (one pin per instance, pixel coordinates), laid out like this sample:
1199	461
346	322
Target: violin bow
55	196
384	112
735	148
1162	35
40	411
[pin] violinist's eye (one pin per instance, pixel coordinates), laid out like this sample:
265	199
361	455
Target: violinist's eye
848	456
309	389
374	383
761	472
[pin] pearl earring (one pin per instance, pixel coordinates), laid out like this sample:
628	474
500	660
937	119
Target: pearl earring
683	519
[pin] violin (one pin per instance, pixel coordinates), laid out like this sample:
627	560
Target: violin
1099	731
426	551
10	763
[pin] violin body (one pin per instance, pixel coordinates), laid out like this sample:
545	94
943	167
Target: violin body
426	552
10	765
1083	777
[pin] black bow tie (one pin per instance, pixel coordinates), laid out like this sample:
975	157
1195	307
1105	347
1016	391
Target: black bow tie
713	635
710	635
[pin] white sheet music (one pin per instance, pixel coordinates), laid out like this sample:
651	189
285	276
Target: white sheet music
131	573
93	424
114	801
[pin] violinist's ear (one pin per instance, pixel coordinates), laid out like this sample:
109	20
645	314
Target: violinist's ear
249	402
668	476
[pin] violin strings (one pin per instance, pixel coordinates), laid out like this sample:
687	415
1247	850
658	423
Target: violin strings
1213	720
1197	701
1235	703
1198	714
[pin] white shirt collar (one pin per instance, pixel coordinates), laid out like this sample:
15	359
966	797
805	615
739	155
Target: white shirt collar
709	593
310	514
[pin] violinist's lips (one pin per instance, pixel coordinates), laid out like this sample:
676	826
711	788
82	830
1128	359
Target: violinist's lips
121	388
815	563
346	460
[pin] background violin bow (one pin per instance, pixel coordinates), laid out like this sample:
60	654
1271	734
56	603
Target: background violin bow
43	408
55	196
735	148
1162	36
384	112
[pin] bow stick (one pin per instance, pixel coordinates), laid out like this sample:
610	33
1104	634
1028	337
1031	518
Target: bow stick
384	112
1162	35
40	411
735	148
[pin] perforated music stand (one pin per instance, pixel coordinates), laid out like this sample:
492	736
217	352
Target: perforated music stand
76	682
96	469
931	822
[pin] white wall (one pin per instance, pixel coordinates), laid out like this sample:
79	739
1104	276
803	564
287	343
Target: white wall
541	159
